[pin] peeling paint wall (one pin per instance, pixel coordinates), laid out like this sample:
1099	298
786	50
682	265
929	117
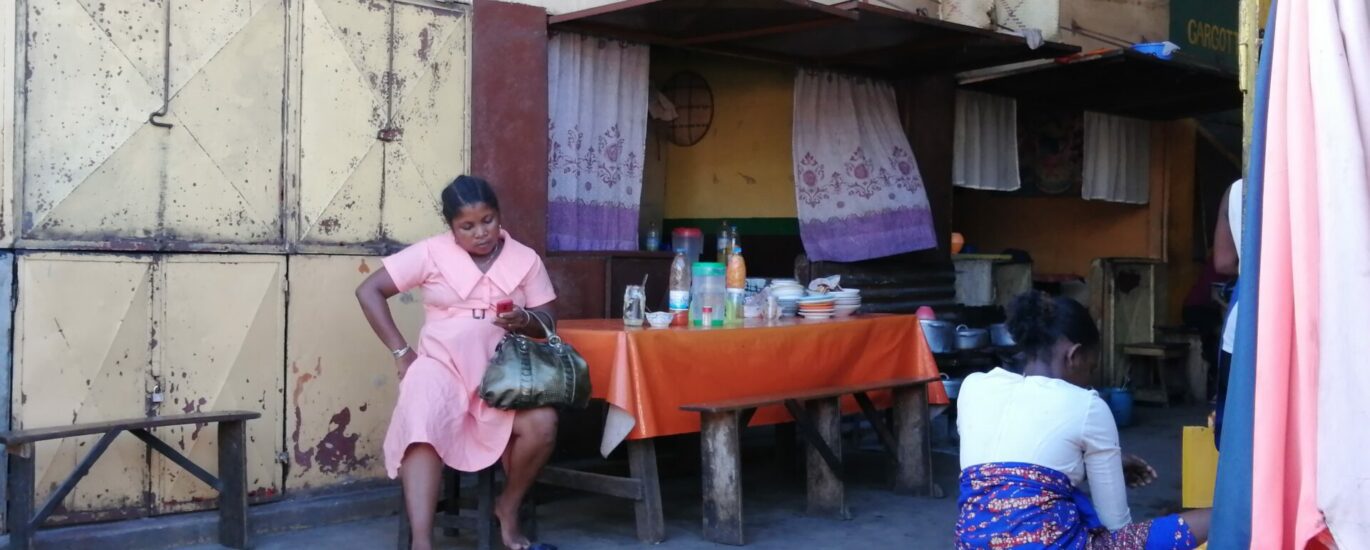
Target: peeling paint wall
340	382
1104	23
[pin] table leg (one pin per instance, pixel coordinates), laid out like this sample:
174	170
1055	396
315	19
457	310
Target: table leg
827	494
233	522
911	427
651	523
721	453
20	496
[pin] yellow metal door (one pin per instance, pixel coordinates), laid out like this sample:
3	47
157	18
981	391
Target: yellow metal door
221	339
83	351
340	384
383	121
97	172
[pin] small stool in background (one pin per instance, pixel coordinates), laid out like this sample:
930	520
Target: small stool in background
1153	359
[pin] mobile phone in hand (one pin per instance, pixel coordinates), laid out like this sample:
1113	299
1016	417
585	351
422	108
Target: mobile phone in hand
504	306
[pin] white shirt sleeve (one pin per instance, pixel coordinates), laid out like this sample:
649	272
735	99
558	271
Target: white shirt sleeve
1104	466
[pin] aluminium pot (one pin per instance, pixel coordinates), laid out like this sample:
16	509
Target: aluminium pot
941	336
971	338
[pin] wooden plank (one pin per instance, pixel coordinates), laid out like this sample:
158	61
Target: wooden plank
827	494
20	503
61	432
721	454
180	459
804	395
233	530
914	474
603	484
651	523
56	497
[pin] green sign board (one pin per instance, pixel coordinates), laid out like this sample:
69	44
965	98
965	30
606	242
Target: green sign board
1206	31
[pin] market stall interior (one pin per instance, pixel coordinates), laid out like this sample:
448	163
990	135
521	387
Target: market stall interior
832	168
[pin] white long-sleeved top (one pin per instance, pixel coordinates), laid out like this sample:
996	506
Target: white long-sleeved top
1006	417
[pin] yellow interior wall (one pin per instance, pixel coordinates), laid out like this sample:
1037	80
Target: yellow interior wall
742	166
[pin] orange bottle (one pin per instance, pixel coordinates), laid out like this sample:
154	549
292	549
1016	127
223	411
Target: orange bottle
737	270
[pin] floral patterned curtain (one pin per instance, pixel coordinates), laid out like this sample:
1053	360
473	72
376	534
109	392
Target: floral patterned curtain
859	191
597	133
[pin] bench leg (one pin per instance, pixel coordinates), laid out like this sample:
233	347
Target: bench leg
233	484
20	497
721	453
827	496
914	475
451	498
651	523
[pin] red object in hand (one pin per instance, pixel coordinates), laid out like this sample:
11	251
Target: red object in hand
504	306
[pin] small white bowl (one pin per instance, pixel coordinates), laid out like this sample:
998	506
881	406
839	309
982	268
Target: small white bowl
659	319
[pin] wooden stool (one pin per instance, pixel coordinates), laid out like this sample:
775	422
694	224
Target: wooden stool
479	516
1152	387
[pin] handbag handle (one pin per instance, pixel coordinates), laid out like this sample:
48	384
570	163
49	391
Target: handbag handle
551	333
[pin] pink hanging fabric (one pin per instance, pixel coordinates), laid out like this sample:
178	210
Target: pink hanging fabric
1284	449
1340	74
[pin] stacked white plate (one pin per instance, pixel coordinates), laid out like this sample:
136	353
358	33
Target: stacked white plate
846	302
787	292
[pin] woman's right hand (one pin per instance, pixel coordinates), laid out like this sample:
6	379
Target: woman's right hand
403	362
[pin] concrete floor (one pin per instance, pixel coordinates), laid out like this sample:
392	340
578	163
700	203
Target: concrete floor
775	504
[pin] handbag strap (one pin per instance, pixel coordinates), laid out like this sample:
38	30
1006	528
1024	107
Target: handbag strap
547	329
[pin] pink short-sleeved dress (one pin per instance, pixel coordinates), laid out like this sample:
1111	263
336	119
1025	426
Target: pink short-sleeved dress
438	402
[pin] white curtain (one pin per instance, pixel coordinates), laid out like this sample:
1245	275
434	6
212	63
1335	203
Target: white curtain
597	133
1117	159
1339	71
985	151
859	192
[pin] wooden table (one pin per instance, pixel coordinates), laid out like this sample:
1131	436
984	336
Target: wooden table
646	375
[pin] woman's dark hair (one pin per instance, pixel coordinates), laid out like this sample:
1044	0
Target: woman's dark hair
466	191
1037	321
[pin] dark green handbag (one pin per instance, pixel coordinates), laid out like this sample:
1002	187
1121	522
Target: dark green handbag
526	373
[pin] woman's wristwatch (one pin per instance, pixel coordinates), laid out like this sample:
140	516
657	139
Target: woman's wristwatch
398	353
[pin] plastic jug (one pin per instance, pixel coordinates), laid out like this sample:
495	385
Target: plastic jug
707	290
691	239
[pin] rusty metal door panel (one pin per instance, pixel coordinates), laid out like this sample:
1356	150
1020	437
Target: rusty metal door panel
222	332
383	102
223	181
430	105
83	350
340	388
342	107
96	173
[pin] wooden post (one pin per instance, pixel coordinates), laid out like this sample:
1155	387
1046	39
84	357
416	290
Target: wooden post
721	454
20	496
405	539
651	523
487	531
827	497
233	484
914	475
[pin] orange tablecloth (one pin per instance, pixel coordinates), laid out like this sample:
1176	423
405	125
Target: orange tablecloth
648	374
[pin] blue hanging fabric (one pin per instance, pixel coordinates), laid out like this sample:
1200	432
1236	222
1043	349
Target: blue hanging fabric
1231	529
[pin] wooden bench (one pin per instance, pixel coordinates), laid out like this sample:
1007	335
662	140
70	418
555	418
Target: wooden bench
231	482
817	414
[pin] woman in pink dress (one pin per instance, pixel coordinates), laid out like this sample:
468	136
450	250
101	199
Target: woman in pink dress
439	417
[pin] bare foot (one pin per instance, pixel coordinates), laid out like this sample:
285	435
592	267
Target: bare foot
509	527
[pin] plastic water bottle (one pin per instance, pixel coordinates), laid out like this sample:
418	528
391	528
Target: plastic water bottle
679	291
653	240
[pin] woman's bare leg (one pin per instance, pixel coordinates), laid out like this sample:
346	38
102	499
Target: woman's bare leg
1198	521
421	475
534	438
